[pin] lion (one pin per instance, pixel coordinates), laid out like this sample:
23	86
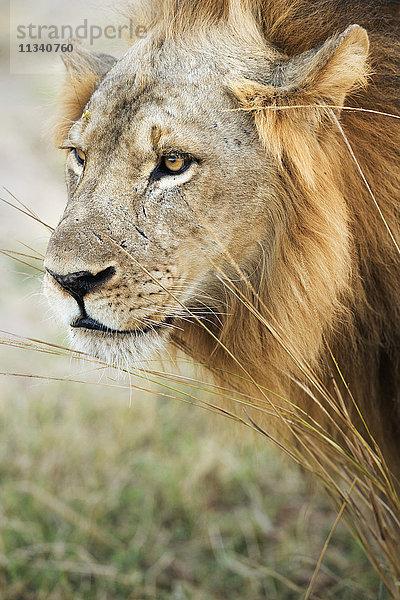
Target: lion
233	191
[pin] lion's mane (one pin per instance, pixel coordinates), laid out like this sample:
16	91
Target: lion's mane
328	289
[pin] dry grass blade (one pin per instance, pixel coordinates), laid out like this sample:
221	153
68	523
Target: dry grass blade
28	213
371	193
39	255
24	206
376	455
14	252
16	256
323	107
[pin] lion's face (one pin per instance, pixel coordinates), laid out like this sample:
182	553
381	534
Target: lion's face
159	173
180	177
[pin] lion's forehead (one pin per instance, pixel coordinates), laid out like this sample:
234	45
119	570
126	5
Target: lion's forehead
186	88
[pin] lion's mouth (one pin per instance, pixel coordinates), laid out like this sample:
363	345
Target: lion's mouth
92	325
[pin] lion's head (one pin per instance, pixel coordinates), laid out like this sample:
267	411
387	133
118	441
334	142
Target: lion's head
179	181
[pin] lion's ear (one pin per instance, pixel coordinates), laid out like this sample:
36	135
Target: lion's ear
322	76
328	72
81	61
84	69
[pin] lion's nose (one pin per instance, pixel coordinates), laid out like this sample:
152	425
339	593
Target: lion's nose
82	282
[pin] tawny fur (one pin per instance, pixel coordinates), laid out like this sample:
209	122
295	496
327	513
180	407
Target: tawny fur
329	280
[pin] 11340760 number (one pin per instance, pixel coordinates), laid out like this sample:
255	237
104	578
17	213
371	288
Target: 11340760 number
45	47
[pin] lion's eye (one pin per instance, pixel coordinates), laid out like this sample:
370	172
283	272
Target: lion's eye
172	165
80	156
175	165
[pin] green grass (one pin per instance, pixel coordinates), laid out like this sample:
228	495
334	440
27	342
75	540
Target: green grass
102	501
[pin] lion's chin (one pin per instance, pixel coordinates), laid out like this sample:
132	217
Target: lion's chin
126	351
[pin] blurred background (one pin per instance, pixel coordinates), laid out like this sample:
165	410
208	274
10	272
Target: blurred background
112	493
